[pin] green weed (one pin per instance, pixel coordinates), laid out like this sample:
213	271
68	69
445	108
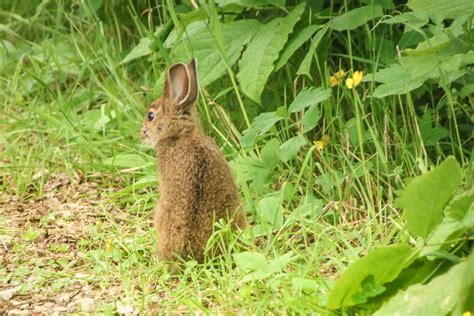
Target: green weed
324	111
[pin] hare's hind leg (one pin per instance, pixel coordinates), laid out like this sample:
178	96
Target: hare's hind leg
171	234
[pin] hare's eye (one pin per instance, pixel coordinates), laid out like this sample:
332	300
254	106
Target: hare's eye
151	116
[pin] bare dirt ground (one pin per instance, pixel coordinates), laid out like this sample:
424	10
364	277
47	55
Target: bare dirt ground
41	264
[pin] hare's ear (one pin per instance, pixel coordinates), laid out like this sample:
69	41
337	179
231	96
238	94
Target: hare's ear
177	83
181	83
193	81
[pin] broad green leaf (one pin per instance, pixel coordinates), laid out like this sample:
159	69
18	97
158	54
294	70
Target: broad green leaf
384	264
289	149
424	198
413	20
145	45
431	135
305	284
295	43
269	153
260	125
448	9
128	161
142	49
311	118
95	119
355	17
210	64
251	3
440	39
369	289
254	171
190	30
412	72
387	4
461	208
258	59
251	261
439	297
459	219
305	66
418	271
280	262
269	209
248	137
309	97
310	207
257	266
331	180
447	229
264	122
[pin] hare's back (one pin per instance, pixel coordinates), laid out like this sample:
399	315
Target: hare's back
207	155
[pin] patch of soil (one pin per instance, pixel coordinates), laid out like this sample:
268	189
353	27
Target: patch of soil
44	234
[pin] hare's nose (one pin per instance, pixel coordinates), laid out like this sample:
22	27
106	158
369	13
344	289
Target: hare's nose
145	131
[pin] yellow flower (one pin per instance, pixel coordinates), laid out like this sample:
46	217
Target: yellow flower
355	80
336	77
108	247
468	313
320	144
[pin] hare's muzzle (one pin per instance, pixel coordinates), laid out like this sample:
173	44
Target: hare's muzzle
145	132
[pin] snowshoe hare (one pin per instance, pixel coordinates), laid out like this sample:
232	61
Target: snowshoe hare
196	183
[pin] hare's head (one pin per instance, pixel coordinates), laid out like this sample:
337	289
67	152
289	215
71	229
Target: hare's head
174	113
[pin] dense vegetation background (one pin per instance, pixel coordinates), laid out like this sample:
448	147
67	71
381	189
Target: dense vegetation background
325	110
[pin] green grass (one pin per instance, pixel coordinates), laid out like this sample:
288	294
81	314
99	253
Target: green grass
78	188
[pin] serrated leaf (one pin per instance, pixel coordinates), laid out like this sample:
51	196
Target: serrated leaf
280	262
384	264
439	297
296	42
431	135
289	149
449	9
260	125
311	118
424	198
305	284
269	153
412	72
210	64
270	211
355	17
263	122
440	39
309	97
258	59
251	261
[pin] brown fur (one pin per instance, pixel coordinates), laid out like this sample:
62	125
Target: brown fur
196	183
